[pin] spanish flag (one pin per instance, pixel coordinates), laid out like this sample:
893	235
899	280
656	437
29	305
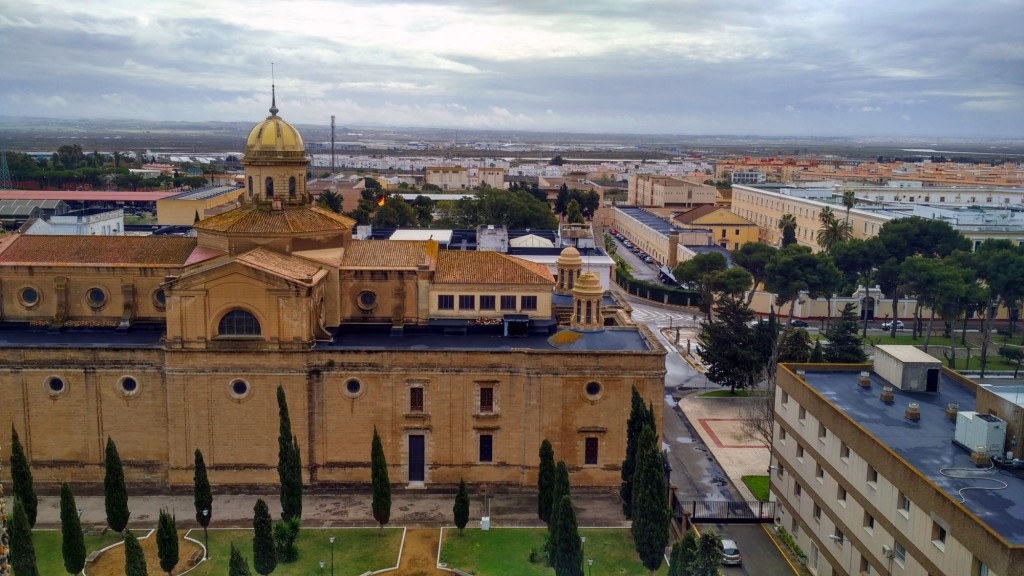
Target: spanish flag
380	201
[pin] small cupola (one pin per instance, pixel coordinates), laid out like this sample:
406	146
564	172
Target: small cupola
586	303
569	266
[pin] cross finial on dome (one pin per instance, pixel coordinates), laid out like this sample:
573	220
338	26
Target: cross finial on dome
273	92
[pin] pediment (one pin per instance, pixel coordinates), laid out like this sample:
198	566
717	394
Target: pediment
255	267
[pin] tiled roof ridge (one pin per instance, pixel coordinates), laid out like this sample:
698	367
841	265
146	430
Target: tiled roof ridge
71	250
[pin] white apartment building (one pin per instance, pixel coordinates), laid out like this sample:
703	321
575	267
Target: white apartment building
866	486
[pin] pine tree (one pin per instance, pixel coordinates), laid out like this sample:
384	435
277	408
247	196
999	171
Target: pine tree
167	541
134	557
650	496
560	489
568	559
21	479
238	566
23	551
202	497
115	494
708	558
545	481
381	484
844	346
288	466
817	355
72	539
264	553
461	508
684	555
634	425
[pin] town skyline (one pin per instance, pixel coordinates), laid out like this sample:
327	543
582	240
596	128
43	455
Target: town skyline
802	69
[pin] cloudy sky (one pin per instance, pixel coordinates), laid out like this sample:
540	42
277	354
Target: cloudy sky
948	68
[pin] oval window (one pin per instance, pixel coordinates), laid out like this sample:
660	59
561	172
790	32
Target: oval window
593	389
159	298
56	387
239	387
353	386
29	297
97	297
367	300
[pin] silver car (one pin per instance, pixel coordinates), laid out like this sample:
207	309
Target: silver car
730	553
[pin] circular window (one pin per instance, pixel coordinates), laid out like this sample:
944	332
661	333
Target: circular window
367	300
56	386
593	390
353	388
96	297
239	389
29	297
128	386
159	299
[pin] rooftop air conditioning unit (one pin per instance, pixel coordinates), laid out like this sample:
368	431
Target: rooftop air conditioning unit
975	430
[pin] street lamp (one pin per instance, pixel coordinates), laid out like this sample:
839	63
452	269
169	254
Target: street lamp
206	535
332	554
590	565
583	547
322	567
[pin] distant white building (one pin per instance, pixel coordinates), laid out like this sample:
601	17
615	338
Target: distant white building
86	222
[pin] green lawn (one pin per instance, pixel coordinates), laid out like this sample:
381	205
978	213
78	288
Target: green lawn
506	552
758	486
937	344
356	550
50	559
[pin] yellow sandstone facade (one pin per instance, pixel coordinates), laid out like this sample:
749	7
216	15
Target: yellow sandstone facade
168	345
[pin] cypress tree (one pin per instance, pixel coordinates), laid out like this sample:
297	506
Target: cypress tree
461	508
634	425
72	539
381	484
568	548
238	566
291	485
684	555
115	494
201	495
545	481
134	557
23	551
817	355
560	489
650	502
708	554
264	553
167	541
21	479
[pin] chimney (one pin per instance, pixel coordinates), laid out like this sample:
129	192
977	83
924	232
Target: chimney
864	380
886	395
951	410
275	203
913	413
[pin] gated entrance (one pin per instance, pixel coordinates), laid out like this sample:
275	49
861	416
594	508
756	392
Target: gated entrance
725	512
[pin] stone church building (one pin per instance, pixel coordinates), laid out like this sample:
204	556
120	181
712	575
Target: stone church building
169	344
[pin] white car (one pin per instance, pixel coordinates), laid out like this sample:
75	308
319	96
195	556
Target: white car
730	553
888	324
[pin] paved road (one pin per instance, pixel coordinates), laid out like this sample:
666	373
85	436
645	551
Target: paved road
760	555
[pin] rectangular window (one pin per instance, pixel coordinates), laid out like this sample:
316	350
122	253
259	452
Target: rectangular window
872	476
819	472
415	399
903	503
782	435
445	302
900	553
869	522
844	451
838	537
487	302
865	566
529	302
799	452
938	536
785	397
841	495
467	302
508	302
802	414
590	451
487	399
486	448
816	513
822	432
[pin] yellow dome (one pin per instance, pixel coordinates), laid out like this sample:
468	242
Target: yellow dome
274	138
588	284
569	258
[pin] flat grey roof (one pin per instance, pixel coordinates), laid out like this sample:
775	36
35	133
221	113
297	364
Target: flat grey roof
611	339
203	193
652	220
927	445
21	337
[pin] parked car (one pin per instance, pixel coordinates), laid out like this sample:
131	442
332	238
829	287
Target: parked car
797	323
888	324
731	553
648	259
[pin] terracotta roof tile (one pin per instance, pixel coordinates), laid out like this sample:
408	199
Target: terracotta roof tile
98	250
297	269
385	254
469	267
291	219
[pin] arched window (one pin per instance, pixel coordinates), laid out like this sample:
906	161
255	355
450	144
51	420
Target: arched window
238	323
291	187
270	187
250	186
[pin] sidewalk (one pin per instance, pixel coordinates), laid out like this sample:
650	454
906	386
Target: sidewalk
408	508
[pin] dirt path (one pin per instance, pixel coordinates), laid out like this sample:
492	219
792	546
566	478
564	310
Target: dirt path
111	562
419	554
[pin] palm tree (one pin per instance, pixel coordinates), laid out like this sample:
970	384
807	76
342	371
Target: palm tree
833	232
826	215
849	201
787	224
